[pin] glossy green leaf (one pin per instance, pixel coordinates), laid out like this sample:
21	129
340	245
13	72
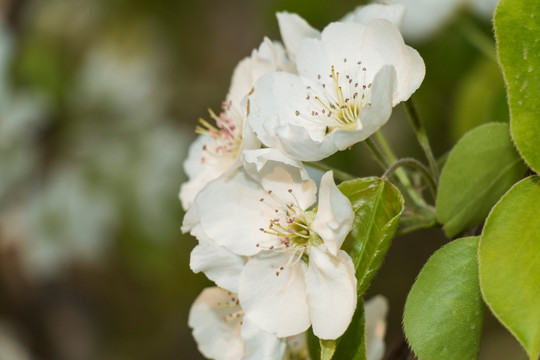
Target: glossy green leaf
443	312
377	205
352	344
509	257
480	98
480	169
517	25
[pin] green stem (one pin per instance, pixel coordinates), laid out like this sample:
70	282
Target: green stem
420	224
400	173
416	165
478	39
422	138
381	158
338	174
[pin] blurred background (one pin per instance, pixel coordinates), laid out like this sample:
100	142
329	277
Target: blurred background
98	104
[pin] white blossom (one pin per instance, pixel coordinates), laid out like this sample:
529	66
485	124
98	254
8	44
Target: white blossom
347	83
216	262
294	28
296	275
223	333
218	147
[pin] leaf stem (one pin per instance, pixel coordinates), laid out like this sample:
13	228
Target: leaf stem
422	138
421	223
416	165
390	159
381	158
339	174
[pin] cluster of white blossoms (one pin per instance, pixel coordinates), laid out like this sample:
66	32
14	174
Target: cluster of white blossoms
269	235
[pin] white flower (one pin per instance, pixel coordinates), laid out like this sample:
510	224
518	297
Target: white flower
218	147
348	82
297	275
216	262
379	10
294	28
223	333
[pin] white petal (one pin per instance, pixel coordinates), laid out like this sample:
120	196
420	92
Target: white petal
275	303
377	114
376	44
279	173
259	344
199	172
293	30
191	218
375	310
269	57
365	13
218	264
331	292
371	119
216	338
275	102
230	213
335	215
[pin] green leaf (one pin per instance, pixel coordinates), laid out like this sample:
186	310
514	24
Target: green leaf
480	98
314	346
480	169
377	205
352	344
509	257
517	25
443	312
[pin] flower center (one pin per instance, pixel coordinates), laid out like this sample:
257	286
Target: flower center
337	104
291	225
226	134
